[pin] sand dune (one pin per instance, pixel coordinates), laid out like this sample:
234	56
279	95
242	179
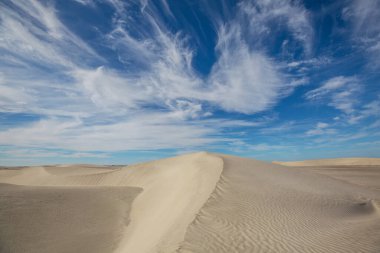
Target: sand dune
359	171
261	207
173	191
357	161
192	203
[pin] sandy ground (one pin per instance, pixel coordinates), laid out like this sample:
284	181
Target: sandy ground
261	207
39	219
358	171
354	161
192	203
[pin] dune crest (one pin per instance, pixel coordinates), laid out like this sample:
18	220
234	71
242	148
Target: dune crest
174	191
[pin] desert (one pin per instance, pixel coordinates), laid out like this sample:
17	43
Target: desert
199	202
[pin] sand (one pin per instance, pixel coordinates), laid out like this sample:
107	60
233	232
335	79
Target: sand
261	207
199	202
63	219
353	161
359	171
172	192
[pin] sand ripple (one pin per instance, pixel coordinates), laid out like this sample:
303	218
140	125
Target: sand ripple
259	207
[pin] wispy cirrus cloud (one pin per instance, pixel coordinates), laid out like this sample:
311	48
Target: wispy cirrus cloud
39	54
368	110
363	15
343	94
268	17
149	132
33	32
340	92
321	129
158	63
47	153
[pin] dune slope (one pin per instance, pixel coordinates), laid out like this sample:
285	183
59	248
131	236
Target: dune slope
262	207
172	192
45	219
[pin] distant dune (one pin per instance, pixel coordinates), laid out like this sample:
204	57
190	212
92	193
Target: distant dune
358	161
199	202
359	171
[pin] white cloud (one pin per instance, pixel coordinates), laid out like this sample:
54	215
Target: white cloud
184	109
340	138
341	93
242	76
39	36
321	129
108	90
329	86
262	14
85	2
149	131
371	109
310	63
267	147
364	17
374	125
40	54
244	73
322	125
12	99
284	127
41	153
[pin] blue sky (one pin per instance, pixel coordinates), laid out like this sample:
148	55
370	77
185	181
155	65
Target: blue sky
117	82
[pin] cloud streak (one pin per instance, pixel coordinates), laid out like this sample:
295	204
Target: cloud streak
364	18
340	92
149	132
